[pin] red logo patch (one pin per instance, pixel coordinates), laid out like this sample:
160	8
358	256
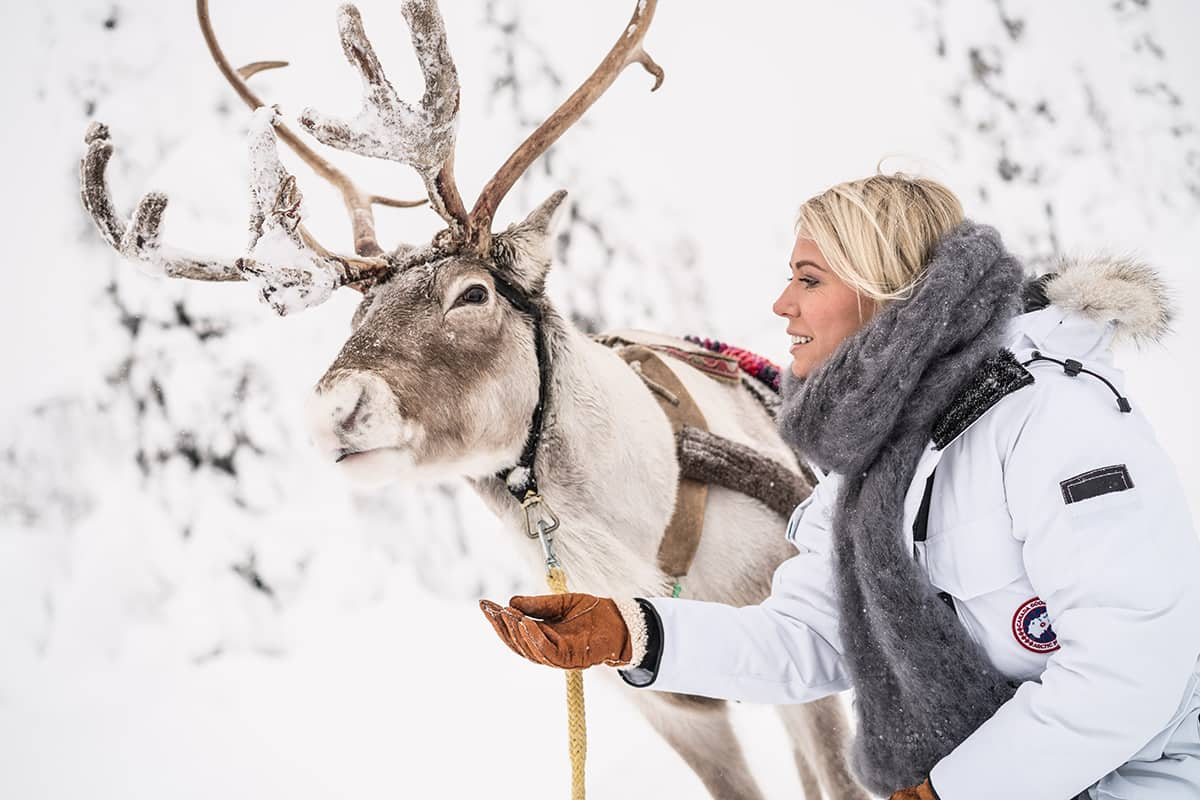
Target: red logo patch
1031	627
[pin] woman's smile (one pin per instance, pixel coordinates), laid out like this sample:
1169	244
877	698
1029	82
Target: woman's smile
798	342
818	299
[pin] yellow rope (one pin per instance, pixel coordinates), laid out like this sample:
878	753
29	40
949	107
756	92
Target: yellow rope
576	721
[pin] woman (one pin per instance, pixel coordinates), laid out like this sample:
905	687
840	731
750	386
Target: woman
999	560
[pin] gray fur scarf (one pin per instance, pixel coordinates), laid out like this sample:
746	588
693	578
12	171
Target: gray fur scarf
867	413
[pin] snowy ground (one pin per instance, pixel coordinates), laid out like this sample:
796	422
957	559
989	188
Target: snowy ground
347	714
351	711
191	607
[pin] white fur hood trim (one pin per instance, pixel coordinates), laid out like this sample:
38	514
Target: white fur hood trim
1107	289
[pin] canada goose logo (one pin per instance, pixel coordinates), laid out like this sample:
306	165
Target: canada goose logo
1031	627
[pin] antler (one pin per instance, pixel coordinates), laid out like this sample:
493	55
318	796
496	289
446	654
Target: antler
628	50
358	202
292	270
291	267
138	239
387	127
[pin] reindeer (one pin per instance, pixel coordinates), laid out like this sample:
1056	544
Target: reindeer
459	366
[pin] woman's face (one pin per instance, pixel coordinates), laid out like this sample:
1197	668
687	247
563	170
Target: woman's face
820	309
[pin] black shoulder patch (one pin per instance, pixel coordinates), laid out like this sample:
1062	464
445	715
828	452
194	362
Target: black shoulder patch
1096	482
995	378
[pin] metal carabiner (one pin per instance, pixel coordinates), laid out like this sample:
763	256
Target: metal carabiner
533	528
539	529
547	546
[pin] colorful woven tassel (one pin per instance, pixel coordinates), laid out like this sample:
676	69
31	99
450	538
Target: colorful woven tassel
751	363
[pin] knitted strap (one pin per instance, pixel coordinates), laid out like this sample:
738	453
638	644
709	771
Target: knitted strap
712	459
576	718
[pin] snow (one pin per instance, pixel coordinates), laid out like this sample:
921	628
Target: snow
350	712
289	275
195	603
517	477
386	126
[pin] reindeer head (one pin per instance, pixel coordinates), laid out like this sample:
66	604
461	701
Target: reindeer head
440	376
445	364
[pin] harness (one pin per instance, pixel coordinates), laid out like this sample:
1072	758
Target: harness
703	457
520	479
681	538
540	522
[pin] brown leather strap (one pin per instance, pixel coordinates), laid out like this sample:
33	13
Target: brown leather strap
682	536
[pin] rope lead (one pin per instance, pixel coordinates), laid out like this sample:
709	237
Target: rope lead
576	716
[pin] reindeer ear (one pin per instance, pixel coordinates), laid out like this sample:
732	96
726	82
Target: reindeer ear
524	251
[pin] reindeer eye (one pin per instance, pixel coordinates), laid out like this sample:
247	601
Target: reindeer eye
474	295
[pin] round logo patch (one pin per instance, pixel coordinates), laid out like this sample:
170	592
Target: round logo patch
1031	627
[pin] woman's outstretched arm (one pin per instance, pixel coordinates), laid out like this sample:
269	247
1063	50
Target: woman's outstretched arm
784	650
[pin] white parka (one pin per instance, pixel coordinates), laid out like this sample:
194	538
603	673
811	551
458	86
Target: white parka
1059	527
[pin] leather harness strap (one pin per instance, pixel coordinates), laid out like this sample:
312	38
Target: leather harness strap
704	458
682	536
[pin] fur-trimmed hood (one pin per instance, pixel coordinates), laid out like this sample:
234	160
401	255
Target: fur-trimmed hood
1124	292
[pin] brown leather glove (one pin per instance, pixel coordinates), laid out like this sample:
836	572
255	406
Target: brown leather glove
922	792
571	631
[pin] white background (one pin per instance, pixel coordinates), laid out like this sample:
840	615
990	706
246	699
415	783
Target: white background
136	662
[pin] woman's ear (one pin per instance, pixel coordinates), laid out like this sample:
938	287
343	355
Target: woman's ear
868	307
524	250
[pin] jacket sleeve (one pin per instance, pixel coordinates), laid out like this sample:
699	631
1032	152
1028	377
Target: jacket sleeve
784	650
1109	546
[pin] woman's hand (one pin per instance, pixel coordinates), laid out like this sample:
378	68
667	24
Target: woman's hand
568	631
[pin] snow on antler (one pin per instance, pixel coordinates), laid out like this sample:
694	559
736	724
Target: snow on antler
290	268
386	126
138	240
358	203
289	273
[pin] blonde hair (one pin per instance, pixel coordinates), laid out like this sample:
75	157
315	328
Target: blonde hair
877	233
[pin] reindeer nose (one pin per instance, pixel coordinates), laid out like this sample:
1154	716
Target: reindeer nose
346	424
352	413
